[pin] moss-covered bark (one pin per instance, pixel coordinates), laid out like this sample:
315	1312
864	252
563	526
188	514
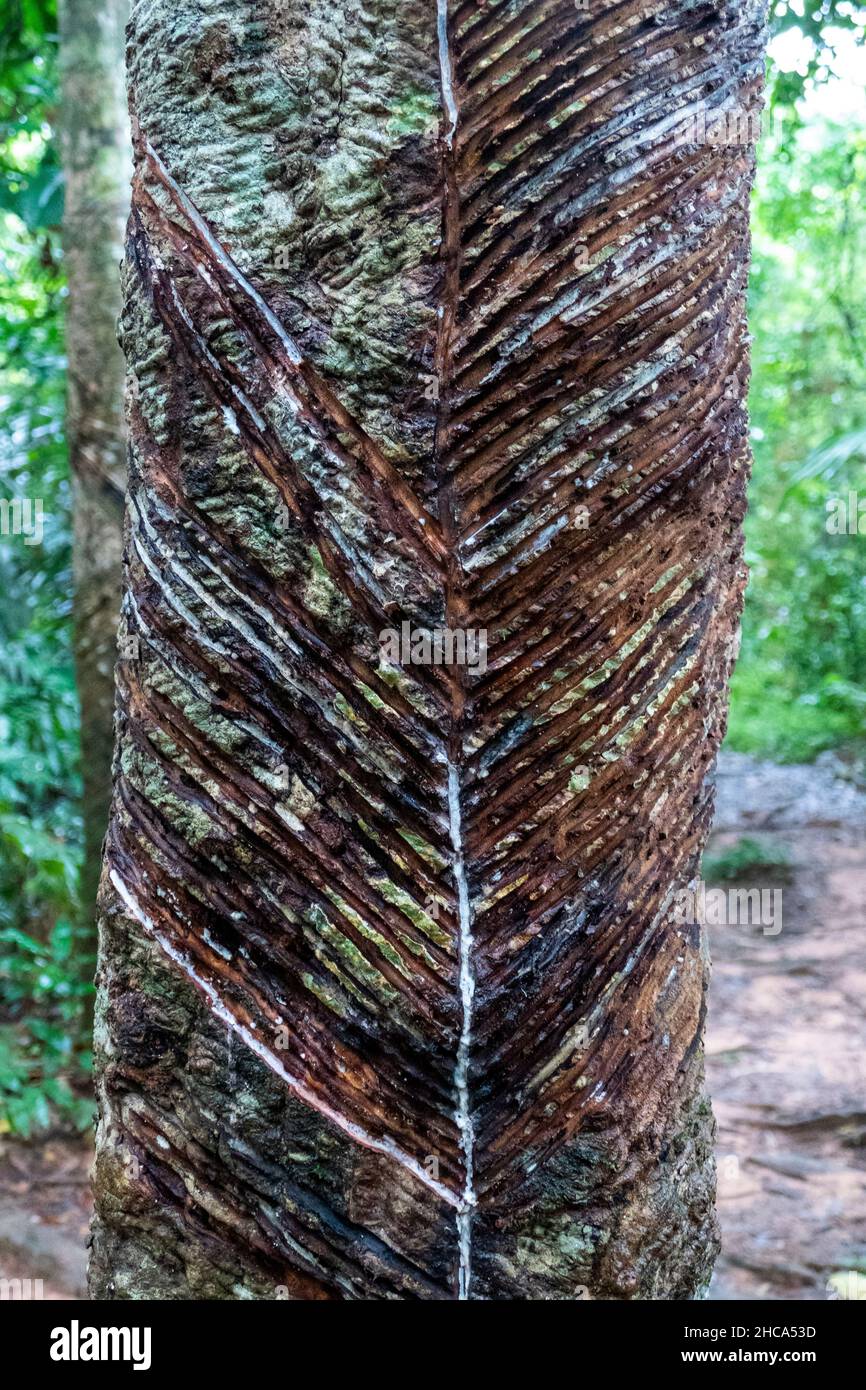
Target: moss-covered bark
437	322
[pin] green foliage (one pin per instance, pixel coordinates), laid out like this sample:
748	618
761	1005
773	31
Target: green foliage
45	967
800	685
818	23
43	1052
28	84
747	856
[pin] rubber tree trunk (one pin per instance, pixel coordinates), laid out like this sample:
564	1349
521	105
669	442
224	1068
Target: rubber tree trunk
432	319
97	163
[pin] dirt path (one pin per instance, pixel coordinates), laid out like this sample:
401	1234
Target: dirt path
786	1062
786	1041
45	1214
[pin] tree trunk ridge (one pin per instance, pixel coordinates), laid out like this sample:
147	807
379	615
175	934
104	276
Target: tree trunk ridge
433	318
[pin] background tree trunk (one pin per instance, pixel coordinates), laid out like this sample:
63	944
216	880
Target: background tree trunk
97	162
438	324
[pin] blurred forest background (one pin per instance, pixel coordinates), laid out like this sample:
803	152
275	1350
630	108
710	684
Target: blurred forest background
800	686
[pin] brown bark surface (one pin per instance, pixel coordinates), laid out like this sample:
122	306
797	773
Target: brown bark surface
439	324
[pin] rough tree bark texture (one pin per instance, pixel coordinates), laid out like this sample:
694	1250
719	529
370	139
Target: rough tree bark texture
430	317
97	167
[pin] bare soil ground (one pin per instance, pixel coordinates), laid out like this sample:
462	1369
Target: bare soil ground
786	1063
786	1041
45	1213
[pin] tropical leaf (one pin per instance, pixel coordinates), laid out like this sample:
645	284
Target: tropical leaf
37	198
831	459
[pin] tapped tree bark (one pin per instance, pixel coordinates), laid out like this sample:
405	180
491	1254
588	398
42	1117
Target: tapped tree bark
434	321
97	164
